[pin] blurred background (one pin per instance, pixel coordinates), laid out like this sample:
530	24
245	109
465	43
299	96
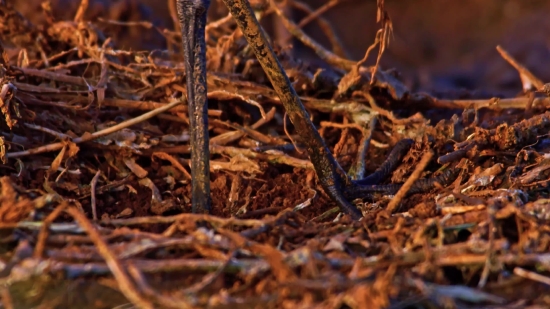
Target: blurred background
437	46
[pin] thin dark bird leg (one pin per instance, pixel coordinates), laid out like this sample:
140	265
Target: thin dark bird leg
336	183
192	18
389	165
332	177
420	185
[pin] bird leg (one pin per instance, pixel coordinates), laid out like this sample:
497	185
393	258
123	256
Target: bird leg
335	181
192	18
332	177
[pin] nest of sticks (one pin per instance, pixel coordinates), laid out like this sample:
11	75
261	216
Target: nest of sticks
95	184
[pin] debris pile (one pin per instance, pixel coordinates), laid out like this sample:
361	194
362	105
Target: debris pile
95	187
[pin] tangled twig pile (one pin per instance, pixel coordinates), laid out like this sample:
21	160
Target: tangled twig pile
95	187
